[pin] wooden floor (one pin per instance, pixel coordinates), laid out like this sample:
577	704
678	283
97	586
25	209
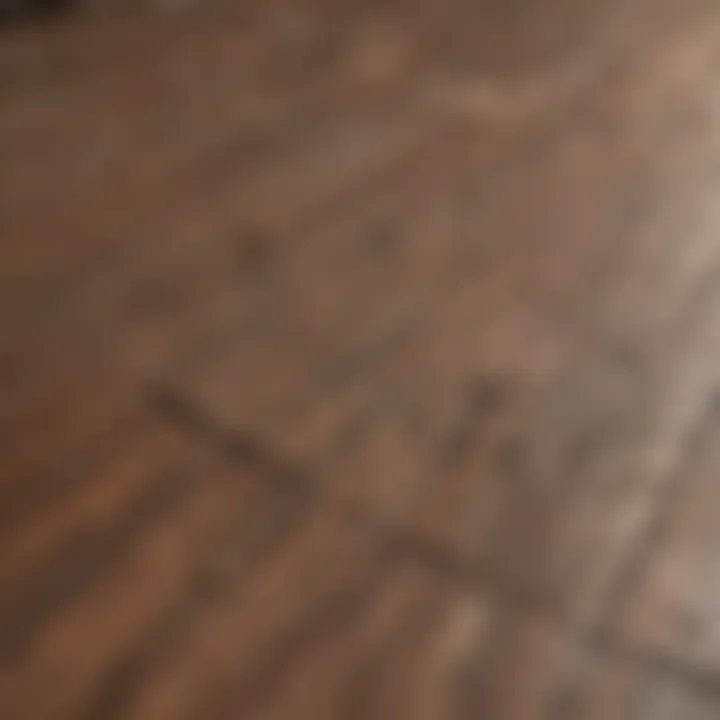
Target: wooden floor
361	361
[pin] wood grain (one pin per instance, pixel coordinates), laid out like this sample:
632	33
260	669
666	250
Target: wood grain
360	360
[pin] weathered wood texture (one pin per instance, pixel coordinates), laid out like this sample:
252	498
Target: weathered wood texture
361	360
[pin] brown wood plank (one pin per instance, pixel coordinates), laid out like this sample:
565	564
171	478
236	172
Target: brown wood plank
359	360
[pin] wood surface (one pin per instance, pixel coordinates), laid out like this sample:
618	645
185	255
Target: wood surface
361	360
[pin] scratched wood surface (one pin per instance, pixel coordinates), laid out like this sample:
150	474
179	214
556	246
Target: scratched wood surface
361	360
